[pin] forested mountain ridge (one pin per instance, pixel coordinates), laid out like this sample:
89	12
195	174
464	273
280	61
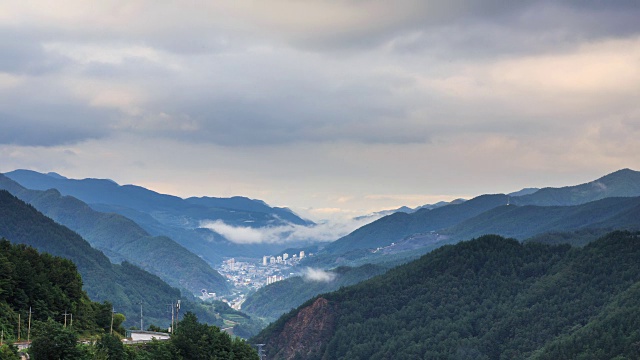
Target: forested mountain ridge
167	215
125	285
49	286
489	298
123	240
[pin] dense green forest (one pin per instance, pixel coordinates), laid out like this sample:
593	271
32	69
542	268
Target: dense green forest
489	298
41	300
50	287
278	298
191	340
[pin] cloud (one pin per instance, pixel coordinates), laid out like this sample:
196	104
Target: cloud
317	275
324	231
284	99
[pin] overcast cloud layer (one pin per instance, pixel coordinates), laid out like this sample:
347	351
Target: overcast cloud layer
328	107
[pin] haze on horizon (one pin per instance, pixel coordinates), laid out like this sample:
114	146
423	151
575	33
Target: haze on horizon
329	108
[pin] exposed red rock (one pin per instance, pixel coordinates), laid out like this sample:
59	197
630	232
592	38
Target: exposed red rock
305	334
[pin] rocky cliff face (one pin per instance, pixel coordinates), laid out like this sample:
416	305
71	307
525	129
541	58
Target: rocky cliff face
304	335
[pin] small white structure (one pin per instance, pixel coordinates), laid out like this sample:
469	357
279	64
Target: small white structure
139	335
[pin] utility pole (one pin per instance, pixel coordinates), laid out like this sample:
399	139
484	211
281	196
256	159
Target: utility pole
141	321
18	326
112	311
29	330
171	327
177	313
65	318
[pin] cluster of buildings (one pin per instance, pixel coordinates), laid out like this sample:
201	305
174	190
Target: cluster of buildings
248	274
282	259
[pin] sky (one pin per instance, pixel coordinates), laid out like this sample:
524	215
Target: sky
332	108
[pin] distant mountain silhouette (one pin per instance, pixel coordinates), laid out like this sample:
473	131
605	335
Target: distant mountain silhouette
168	215
491	214
123	240
622	183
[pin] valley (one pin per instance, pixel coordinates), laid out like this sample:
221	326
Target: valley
247	275
264	293
319	180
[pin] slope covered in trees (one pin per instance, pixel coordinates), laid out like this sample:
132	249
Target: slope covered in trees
123	240
125	285
489	298
48	285
278	298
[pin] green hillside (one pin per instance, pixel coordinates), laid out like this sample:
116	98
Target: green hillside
125	285
278	298
48	285
123	240
490	298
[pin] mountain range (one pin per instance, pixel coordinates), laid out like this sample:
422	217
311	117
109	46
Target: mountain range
523	214
136	227
123	240
167	215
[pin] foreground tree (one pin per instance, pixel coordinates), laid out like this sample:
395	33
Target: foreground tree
110	347
9	352
194	340
52	341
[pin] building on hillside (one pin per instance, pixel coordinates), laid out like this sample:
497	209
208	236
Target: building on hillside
140	335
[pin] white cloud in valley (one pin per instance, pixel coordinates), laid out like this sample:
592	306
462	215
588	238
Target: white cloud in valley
317	275
323	232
